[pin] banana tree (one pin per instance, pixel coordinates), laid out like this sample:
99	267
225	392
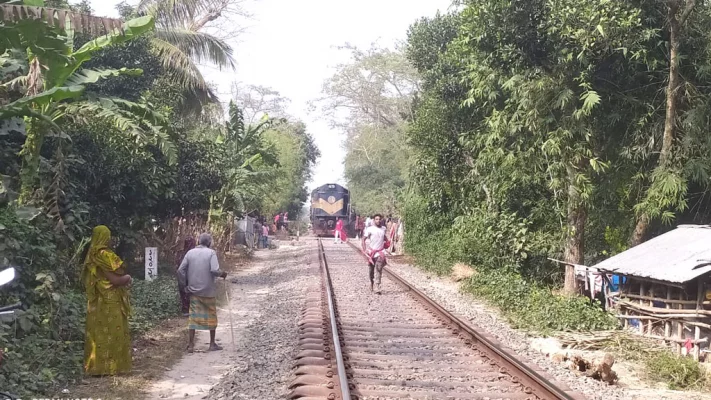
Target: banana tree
54	88
249	162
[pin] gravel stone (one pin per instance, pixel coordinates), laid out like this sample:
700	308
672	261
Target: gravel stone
267	349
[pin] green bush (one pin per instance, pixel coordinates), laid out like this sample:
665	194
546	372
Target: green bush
43	349
152	302
509	256
43	346
536	308
677	372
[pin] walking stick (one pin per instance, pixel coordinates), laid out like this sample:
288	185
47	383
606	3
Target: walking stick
229	308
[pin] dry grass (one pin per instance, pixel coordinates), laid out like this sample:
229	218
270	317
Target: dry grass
461	272
156	351
402	259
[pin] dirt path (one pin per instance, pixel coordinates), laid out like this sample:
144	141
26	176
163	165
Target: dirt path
194	375
265	301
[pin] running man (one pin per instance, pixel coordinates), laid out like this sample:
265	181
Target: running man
377	243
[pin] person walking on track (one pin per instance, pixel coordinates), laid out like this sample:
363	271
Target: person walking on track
338	234
377	243
360	225
197	273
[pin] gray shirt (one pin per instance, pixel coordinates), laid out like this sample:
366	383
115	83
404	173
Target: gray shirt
198	271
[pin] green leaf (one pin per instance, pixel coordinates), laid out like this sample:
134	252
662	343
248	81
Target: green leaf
21	106
599	29
27	213
58	74
590	100
34	3
87	76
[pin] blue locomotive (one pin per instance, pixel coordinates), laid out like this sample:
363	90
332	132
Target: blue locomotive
329	203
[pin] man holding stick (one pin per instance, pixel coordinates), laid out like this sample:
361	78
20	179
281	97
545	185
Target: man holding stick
197	273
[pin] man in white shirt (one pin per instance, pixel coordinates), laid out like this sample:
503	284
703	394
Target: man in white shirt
377	243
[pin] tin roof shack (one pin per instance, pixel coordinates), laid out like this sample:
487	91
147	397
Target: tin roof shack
667	291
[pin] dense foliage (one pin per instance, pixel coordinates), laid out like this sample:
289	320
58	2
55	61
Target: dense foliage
537	129
86	138
549	136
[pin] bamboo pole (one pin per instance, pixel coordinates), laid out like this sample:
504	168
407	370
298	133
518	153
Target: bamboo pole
680	324
667	300
697	330
641	293
665	317
663	311
650	324
667	324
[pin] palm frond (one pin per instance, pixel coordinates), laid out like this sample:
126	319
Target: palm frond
138	120
174	13
182	69
87	76
199	46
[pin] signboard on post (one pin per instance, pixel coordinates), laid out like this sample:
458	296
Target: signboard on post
151	263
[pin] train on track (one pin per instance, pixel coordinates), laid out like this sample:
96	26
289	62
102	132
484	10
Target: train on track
329	203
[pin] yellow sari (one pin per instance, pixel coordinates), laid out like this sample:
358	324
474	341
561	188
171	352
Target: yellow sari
107	346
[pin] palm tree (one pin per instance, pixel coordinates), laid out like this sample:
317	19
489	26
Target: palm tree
181	45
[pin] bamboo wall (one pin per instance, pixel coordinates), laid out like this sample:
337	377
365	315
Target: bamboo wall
669	312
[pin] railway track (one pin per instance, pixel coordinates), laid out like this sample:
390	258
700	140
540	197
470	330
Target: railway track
399	344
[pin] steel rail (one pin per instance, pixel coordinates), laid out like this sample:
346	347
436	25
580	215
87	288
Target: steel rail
342	377
540	386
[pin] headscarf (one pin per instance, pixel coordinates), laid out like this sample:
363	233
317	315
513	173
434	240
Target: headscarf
99	258
100	238
188	244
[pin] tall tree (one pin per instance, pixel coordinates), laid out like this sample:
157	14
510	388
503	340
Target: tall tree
257	101
182	43
656	201
371	99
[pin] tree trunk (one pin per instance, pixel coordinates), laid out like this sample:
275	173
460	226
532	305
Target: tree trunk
672	87
574	251
30	154
676	23
640	230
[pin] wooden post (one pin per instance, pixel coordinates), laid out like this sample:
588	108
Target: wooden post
680	324
641	293
697	330
650	324
667	323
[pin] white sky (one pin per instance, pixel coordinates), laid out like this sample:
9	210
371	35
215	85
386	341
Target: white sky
290	46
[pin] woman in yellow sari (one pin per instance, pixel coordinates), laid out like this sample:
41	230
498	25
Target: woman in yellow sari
107	346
